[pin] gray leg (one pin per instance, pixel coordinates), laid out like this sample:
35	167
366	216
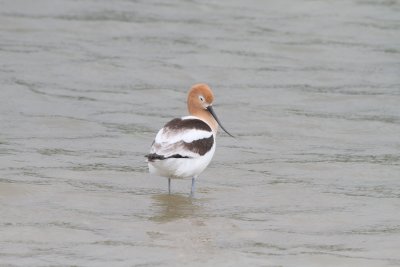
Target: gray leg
169	185
193	186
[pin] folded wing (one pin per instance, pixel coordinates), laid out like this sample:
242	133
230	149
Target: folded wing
187	137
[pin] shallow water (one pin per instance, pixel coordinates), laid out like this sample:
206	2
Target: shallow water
310	89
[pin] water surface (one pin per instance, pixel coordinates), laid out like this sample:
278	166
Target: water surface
310	89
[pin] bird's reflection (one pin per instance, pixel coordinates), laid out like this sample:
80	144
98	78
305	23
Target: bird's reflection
172	207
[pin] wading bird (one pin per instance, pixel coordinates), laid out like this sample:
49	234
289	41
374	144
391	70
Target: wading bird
184	147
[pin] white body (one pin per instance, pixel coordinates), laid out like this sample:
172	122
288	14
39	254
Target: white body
182	167
169	143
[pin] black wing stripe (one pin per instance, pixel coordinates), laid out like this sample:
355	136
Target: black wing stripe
179	124
153	157
200	146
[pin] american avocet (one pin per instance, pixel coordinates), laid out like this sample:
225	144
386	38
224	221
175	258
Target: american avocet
185	146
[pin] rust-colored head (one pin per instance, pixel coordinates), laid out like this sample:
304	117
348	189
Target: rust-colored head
200	100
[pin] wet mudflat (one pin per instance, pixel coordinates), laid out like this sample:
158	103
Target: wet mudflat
310	89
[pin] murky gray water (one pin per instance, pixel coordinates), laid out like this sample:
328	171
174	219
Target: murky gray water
311	89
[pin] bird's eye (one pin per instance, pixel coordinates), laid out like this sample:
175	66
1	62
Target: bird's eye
201	98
